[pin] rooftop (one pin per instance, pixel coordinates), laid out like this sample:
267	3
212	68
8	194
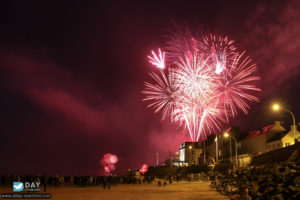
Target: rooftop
260	132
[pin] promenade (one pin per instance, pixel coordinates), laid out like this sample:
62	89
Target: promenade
176	191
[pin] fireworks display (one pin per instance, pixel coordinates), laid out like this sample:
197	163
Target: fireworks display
207	82
144	169
109	162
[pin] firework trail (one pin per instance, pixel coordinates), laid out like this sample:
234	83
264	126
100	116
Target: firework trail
207	82
109	162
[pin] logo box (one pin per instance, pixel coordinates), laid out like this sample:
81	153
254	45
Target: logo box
18	186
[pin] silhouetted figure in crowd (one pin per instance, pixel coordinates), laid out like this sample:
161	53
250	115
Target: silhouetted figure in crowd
45	183
159	183
104	183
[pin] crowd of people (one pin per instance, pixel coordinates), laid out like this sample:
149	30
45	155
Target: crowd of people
269	181
103	181
81	181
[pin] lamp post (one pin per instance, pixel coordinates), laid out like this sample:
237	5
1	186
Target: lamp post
204	161
276	107
217	150
227	135
191	159
230	149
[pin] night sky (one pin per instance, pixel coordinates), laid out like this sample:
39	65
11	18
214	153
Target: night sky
72	75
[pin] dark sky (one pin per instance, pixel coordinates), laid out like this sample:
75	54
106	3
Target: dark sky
72	75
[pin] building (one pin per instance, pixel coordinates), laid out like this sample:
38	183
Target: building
283	139
224	145
256	141
189	153
260	141
268	138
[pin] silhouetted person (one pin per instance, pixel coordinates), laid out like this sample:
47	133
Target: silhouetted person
104	183
45	183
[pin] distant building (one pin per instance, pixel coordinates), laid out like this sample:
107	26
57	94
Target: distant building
189	153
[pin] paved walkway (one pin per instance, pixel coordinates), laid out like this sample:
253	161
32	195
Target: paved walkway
175	191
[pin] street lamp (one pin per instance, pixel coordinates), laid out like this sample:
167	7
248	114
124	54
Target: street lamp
190	158
204	159
276	107
217	150
227	135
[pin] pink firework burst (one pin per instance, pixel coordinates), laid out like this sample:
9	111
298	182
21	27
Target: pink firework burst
109	162
207	83
144	169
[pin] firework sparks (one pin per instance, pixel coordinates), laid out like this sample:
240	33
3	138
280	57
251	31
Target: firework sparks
237	85
109	162
159	60
207	83
182	41
221	51
193	76
162	93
